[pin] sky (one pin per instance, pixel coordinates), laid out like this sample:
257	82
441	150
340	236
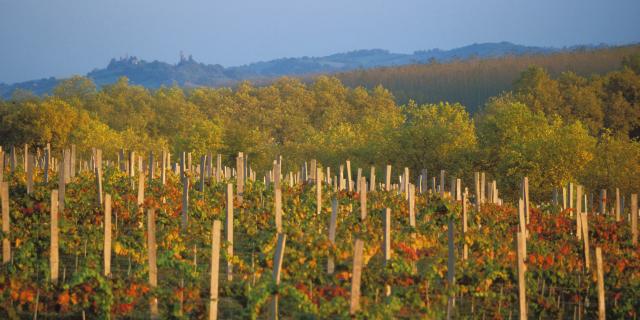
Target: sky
43	38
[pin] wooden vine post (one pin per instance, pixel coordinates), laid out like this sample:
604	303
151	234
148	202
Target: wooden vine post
363	198
349	182
412	205
203	162
277	270
277	208
386	246
140	198
318	178
54	260
372	179
2	166
634	219
451	266
600	276
229	231
30	162
132	164
185	202
523	226
476	180
405	183
153	267
356	275
442	183
107	235
98	174
332	233
617	205
525	196
215	268
465	247
240	176
151	170
163	168
61	183
219	168
387	181
585	239
579	210
522	290
6	222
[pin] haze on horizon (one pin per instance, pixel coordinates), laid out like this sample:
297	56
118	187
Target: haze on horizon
64	37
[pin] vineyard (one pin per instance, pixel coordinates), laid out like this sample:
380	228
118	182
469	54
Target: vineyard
161	236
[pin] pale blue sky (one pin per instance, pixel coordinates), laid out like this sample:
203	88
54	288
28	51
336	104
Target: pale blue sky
41	38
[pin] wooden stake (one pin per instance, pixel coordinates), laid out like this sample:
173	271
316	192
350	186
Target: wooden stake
277	270
363	198
53	255
332	233
412	205
356	273
476	180
151	171
153	268
617	205
483	185
318	179
585	238
229	231
523	227
185	202
2	155
525	196
219	172
277	207
163	170
372	179
215	266
634	219
203	161
107	235
61	183
522	291
442	183
465	248
386	247
98	175
405	183
30	162
387	181
240	176
349	182
600	275
6	223
72	161
132	163
451	267
140	199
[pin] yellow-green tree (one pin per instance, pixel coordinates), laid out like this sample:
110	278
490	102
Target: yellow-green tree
438	136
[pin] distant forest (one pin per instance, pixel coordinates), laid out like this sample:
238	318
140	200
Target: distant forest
553	127
472	81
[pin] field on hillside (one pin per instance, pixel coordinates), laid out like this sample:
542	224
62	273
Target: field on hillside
138	237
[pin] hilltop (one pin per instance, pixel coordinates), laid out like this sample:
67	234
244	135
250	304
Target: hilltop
191	73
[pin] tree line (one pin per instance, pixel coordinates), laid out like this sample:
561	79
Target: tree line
472	81
552	129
